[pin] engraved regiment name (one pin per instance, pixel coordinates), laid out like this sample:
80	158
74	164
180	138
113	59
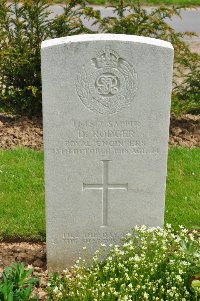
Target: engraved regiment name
107	84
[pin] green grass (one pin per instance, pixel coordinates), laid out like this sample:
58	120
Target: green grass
22	208
183	188
146	2
22	194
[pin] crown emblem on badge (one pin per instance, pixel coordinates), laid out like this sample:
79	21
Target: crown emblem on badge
106	58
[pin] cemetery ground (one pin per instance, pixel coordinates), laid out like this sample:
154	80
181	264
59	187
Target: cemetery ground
22	207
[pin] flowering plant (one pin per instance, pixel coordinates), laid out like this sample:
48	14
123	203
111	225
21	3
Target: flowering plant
150	264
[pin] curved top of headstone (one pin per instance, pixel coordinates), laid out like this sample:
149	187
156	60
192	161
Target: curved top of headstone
106	108
106	37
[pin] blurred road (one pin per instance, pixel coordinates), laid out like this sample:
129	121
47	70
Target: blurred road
190	19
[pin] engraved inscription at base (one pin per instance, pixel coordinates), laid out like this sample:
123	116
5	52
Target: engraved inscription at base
93	237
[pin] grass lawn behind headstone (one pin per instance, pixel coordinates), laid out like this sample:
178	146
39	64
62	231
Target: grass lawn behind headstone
22	207
183	188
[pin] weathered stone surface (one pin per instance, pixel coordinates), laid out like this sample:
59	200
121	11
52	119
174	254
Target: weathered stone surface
106	103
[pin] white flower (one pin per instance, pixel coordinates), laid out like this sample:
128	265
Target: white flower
137	258
178	277
191	236
126	244
66	271
55	290
143	228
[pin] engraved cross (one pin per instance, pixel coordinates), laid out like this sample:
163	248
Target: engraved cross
105	186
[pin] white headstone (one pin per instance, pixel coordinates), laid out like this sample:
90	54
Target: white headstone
106	108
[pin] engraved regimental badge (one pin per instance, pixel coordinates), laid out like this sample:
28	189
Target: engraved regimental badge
107	84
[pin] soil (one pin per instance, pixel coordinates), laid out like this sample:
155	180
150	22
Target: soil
32	255
20	131
185	131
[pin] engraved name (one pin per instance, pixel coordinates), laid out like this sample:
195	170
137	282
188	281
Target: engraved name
106	134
